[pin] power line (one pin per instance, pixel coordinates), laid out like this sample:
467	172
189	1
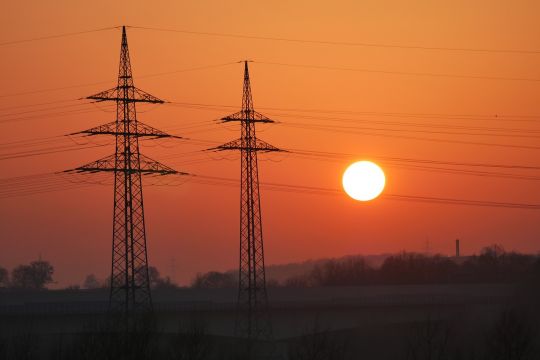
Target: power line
431	125
210	142
421	115
36	104
438	169
26	190
212	180
50	115
392	161
43	109
421	164
425	161
286	39
487	131
362	132
308	153
368	133
532	134
504	132
53	89
63	187
458	76
30	142
343	43
106	82
34	184
196	68
53	150
13	42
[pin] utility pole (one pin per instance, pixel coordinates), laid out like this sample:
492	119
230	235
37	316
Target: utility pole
252	322
130	284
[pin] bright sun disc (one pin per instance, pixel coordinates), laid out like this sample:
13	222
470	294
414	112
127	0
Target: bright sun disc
363	180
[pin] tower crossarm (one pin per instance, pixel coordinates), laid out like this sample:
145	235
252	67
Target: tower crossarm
150	166
110	163
143	130
243	144
247	116
134	95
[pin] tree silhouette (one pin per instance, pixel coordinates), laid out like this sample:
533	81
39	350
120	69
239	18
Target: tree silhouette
4	277
317	344
36	275
512	337
214	279
91	282
428	340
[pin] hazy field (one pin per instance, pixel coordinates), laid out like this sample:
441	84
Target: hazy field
380	322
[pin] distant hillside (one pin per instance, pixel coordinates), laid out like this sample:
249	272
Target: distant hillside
491	265
282	272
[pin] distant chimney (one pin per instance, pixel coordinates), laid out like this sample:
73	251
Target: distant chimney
457	247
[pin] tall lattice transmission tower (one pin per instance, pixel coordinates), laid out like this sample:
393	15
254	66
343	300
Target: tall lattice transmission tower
130	285
252	320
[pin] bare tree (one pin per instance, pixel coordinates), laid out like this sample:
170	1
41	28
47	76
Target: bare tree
300	281
512	337
4	277
154	276
165	283
214	279
91	282
107	339
57	349
3	347
317	344
191	342
24	346
428	340
36	275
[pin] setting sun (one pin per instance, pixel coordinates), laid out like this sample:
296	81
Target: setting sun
363	180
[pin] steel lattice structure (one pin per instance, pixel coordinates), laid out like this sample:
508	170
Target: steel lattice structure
253	320
130	285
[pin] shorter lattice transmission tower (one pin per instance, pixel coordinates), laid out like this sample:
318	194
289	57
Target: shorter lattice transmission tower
253	320
129	284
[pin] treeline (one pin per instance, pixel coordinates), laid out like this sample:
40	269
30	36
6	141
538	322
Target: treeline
36	276
156	281
492	265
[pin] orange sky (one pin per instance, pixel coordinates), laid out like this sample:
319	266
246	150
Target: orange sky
196	225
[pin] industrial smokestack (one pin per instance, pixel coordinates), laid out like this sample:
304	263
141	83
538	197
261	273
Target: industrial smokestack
457	247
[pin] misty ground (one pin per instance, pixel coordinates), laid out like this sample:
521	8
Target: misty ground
453	321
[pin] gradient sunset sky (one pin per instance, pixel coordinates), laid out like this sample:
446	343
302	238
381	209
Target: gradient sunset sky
420	87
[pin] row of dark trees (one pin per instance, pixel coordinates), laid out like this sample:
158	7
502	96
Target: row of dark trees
492	265
36	276
221	280
156	281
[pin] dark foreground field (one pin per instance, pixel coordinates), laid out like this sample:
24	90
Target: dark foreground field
473	321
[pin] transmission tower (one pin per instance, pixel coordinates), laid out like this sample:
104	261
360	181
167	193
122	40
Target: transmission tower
130	285
252	320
